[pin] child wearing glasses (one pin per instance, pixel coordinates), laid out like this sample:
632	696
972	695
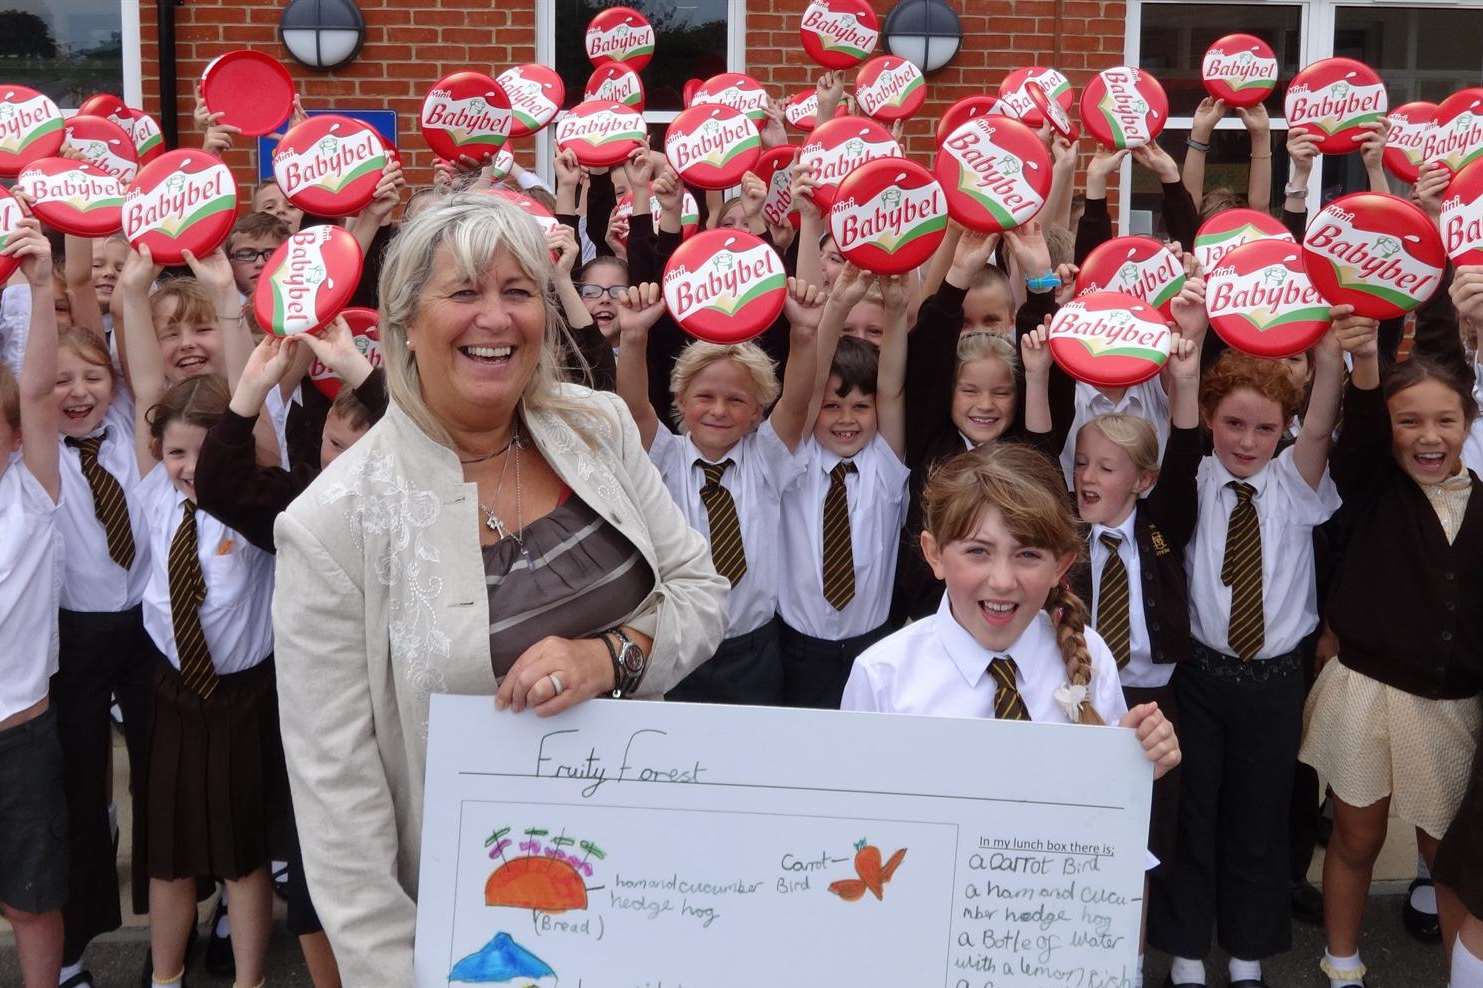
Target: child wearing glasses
251	242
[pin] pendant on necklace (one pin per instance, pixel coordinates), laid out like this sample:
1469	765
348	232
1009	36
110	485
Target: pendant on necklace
495	525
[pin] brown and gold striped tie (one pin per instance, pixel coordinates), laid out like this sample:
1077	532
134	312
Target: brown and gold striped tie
109	503
1112	602
1008	704
187	591
1242	572
727	552
839	553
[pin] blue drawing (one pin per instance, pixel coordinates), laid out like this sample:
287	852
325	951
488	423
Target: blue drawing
503	961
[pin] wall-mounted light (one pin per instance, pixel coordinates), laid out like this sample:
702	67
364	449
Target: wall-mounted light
322	34
924	32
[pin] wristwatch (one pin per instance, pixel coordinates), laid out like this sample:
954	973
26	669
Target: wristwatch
1044	283
629	662
1296	191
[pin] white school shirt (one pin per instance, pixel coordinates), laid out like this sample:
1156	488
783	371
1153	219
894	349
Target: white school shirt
762	468
1141	671
1287	511
278	408
94	582
1146	401
935	668
236	614
876	493
30	583
15	324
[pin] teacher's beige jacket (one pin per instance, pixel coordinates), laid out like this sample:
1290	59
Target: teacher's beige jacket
381	600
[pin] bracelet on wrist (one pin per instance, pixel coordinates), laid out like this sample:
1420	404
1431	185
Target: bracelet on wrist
1201	146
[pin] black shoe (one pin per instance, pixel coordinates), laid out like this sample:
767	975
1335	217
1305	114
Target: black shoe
1249	983
82	979
219	959
1169	983
1425	927
1307	903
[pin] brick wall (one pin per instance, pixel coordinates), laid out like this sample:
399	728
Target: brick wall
409	45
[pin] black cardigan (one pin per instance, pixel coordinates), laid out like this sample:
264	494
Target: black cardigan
1407	607
1163	524
234	489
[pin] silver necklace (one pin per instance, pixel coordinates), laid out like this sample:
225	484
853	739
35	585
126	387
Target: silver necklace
492	520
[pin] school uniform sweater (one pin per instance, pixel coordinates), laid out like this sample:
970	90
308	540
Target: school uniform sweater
235	490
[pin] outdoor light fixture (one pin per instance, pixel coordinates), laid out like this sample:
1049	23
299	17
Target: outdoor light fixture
926	33
322	34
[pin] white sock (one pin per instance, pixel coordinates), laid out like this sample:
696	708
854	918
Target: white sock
1422	871
1187	971
224	924
1467	967
1350	963
1424	899
1245	970
68	971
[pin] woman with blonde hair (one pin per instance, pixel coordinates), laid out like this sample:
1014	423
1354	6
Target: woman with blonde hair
498	532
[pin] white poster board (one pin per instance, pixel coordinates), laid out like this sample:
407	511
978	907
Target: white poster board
640	845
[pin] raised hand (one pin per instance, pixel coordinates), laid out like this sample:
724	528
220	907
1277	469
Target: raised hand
804	306
639	308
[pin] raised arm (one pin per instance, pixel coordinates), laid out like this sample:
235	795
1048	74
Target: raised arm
1311	449
78	275
1057	211
1202	129
214	272
1095	227
1372	153
388	196
38	377
890	374
638	310
230	484
791	414
141	344
1259	177
811	227
595	351
1302	151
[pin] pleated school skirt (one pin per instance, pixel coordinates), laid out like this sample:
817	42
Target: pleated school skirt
217	790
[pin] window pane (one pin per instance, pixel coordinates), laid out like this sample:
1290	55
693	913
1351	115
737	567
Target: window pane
689	43
67	49
1423	54
1227	166
1174	36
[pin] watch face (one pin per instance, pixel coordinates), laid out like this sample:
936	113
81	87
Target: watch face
632	658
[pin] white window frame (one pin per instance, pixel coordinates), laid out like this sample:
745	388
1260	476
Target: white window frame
736	61
132	67
1316	22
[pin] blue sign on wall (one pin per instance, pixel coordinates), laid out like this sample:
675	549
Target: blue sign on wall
383	120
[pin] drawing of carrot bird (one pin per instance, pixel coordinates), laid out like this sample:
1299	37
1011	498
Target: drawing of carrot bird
873	874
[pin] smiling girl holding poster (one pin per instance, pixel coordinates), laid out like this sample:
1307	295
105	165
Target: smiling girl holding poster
1009	640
